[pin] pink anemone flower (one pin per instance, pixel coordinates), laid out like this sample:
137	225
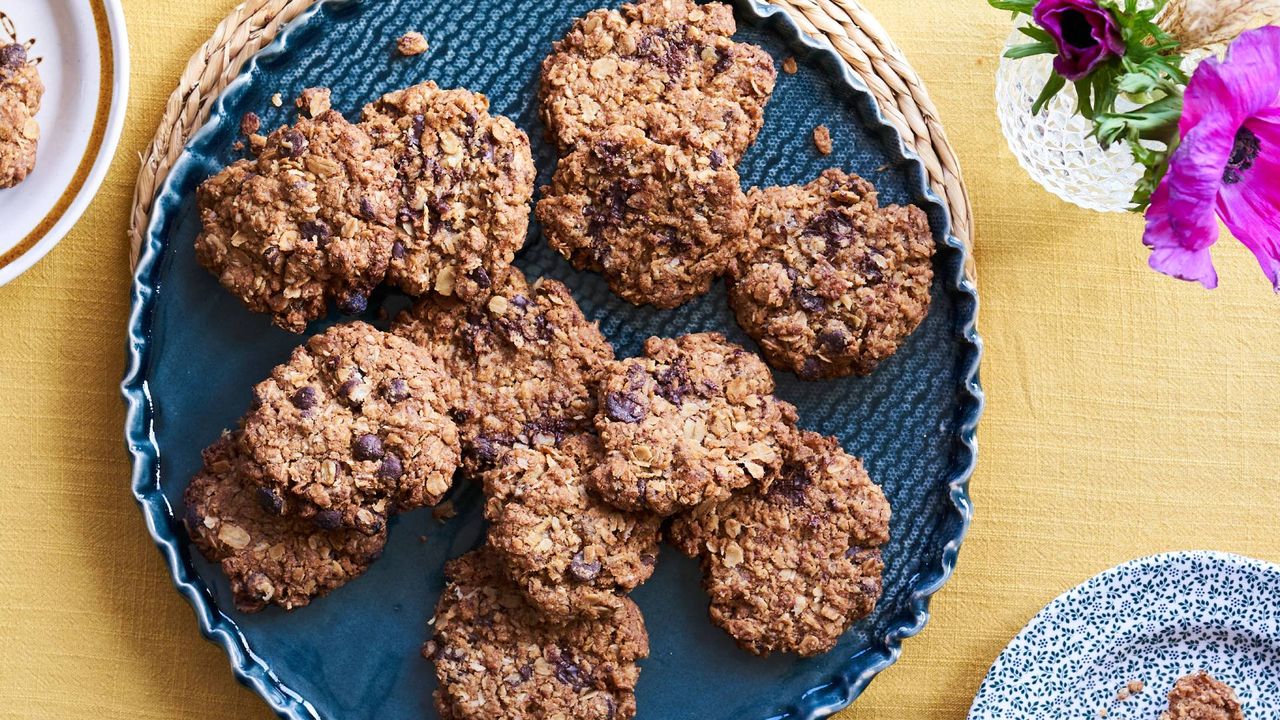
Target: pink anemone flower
1227	165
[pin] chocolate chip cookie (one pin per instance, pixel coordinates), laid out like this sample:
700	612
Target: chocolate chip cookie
497	659
834	283
1200	697
690	421
527	360
309	220
20	93
269	558
353	428
660	222
791	568
570	554
667	67
466	185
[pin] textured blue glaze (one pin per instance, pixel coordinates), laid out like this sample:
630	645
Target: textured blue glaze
194	352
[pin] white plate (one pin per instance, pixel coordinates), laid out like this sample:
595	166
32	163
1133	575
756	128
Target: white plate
1152	620
85	69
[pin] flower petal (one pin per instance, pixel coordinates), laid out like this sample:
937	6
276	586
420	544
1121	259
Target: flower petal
1251	207
1240	86
1168	254
1193	181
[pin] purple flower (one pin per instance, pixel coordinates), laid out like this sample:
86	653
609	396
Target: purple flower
1228	163
1086	35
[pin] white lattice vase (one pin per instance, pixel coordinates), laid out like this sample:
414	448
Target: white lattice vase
1054	147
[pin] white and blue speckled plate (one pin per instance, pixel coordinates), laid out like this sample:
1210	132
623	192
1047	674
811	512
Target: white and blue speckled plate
1153	620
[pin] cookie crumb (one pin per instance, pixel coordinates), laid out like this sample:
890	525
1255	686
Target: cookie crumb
250	123
822	139
412	43
1136	687
789	66
277	100
314	102
444	511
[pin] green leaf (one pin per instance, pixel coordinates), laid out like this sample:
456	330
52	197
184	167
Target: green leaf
1084	93
1035	33
1051	89
1015	6
1022	51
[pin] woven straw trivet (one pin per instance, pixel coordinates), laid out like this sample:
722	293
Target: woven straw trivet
853	31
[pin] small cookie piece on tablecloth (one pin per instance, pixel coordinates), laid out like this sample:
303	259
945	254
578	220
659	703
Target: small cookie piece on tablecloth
527	359
834	283
269	559
496	658
466	185
1200	696
667	67
690	421
791	568
570	554
352	429
20	93
307	221
660	222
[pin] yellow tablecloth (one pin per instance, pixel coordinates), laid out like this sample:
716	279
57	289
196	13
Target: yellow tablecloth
1129	414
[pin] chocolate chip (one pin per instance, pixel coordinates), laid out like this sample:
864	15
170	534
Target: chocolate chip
570	673
791	483
13	56
486	448
294	143
583	571
807	299
669	49
520	301
833	339
717	159
317	230
480	277
459	415
391	468
352	390
367	447
367	211
810	369
725	60
304	398
415	137
353	304
624	407
396	390
673	383
270	501
548	427
328	520
397	250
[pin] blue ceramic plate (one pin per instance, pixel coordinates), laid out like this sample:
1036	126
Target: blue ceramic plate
195	353
1152	620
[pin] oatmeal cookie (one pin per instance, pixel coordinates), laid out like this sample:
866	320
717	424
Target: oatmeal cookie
497	659
20	93
792	568
527	360
269	559
466	184
353	428
691	421
660	222
570	554
667	67
1200	697
834	283
307	221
